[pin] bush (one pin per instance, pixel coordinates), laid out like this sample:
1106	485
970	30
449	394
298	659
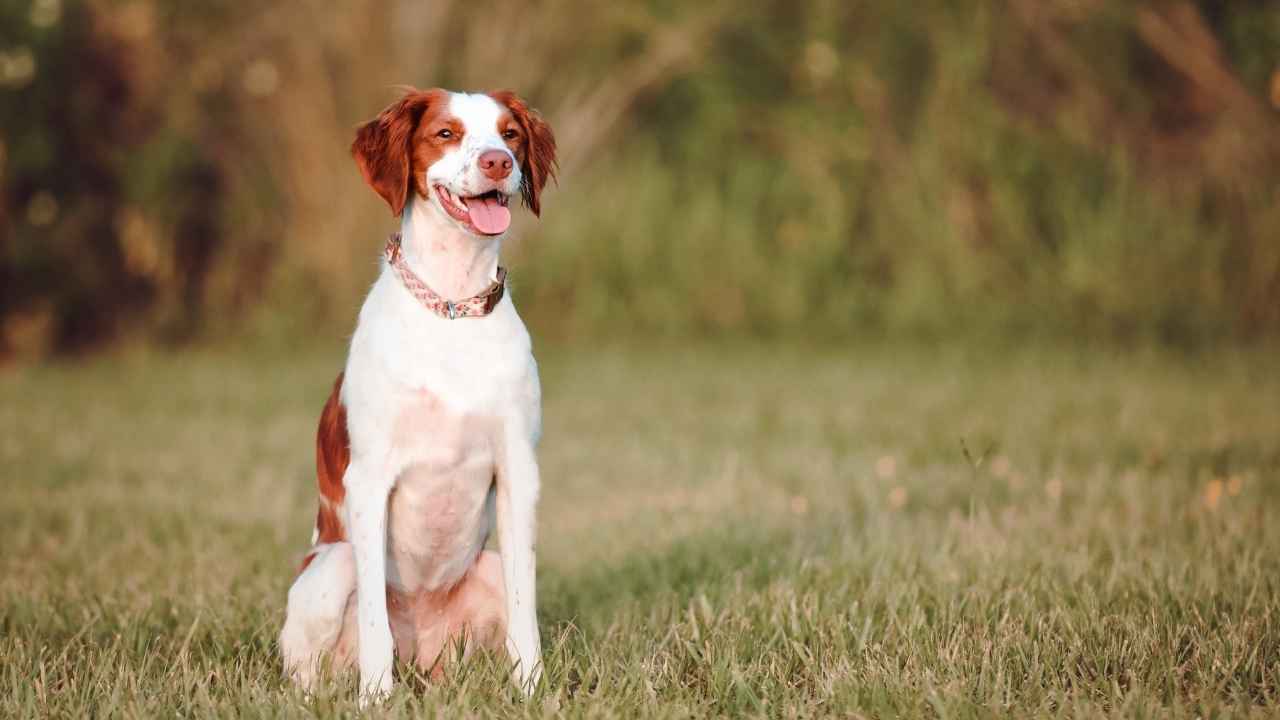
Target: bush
829	170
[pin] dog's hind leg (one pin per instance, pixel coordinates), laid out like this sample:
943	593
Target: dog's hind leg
317	615
472	613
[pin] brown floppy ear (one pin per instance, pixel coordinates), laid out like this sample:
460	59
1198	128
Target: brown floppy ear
383	145
538	165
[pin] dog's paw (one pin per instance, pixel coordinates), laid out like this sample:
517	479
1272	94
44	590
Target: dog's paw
374	690
527	677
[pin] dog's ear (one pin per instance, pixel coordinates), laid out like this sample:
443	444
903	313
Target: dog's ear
538	159
383	146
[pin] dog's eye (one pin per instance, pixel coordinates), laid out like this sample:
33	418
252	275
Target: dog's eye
445	134
510	135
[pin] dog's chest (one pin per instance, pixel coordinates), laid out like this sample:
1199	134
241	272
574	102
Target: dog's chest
439	512
442	392
474	367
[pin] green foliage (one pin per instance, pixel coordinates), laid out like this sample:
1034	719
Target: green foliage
871	170
824	169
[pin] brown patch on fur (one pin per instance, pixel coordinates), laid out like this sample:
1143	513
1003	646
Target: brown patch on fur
428	146
427	625
386	147
333	454
311	555
534	146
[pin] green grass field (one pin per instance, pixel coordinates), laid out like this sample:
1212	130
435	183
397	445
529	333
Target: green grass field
739	531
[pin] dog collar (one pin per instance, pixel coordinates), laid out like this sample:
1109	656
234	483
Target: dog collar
474	306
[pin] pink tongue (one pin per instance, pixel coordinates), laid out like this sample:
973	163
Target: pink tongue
487	215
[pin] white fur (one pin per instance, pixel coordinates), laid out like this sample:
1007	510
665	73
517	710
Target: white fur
445	413
458	169
317	606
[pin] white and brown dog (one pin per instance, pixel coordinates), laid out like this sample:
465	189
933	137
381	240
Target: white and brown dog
427	441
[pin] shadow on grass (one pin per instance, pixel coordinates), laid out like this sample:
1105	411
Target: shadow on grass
705	563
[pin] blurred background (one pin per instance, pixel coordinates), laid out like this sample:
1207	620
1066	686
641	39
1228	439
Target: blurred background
899	359
1081	169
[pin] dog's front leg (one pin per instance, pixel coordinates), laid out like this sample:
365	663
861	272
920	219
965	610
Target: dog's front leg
368	488
517	495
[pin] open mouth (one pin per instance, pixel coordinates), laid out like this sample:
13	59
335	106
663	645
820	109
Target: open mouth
486	213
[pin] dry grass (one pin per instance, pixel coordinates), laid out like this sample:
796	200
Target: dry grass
724	531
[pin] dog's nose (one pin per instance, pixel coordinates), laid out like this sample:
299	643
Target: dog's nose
495	164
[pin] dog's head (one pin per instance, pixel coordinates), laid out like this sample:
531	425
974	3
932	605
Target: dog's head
466	154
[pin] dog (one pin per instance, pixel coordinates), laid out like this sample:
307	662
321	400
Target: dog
427	442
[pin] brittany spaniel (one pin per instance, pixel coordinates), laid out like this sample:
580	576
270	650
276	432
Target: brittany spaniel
426	444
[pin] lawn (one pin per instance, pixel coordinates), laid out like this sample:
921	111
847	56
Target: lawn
792	532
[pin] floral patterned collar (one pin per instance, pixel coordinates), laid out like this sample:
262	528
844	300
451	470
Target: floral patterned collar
472	307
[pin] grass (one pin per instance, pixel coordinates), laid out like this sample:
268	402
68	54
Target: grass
786	532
